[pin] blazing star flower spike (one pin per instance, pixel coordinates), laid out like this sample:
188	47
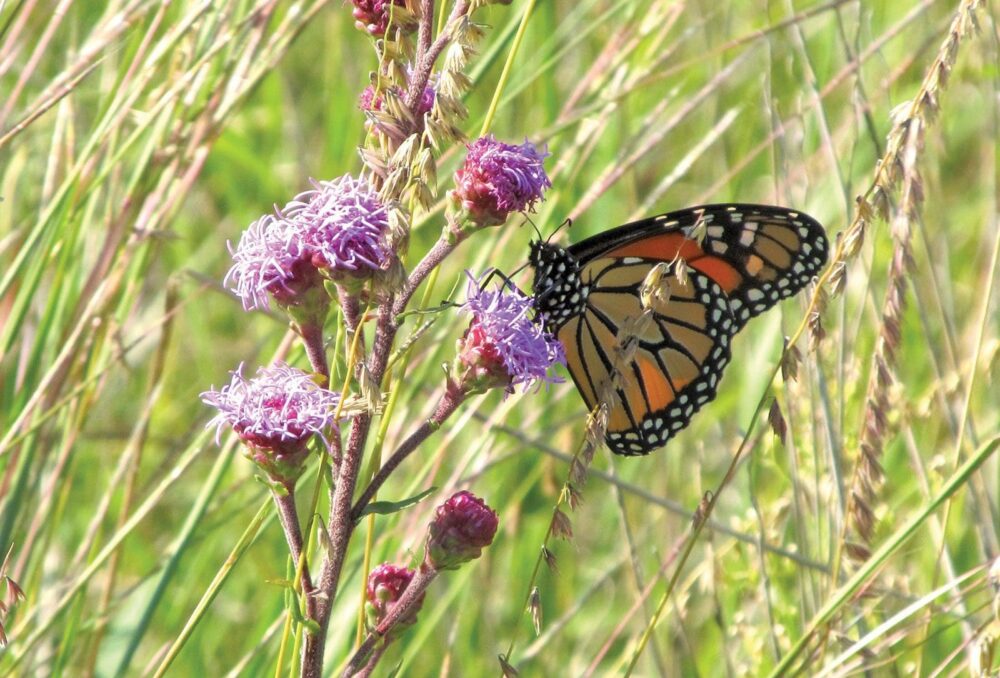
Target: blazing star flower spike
275	414
462	527
386	584
497	179
503	345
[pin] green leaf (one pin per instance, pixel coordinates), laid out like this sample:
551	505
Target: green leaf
386	507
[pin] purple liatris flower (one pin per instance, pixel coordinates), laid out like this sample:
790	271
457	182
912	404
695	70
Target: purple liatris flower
347	225
275	414
272	259
462	527
497	179
503	345
338	228
386	584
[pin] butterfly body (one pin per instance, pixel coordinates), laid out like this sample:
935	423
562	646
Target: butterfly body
657	362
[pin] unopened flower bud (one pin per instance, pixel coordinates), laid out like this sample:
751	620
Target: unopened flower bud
386	584
461	528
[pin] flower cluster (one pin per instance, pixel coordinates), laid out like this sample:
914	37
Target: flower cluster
462	527
338	228
340	241
275	414
497	179
503	346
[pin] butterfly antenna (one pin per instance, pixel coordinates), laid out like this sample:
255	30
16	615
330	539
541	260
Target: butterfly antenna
534	226
568	223
519	269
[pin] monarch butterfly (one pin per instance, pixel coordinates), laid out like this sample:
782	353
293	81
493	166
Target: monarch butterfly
735	260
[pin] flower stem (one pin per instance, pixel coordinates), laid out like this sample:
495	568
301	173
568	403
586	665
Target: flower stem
411	597
312	338
376	656
289	517
340	522
453	397
426	27
425	64
441	249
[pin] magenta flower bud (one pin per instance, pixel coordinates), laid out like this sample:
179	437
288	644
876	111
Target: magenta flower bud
275	414
372	16
369	101
386	584
503	345
497	179
461	528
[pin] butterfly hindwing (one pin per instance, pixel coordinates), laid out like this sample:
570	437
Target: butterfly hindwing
735	261
675	363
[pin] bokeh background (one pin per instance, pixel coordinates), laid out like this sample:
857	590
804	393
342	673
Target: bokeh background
137	138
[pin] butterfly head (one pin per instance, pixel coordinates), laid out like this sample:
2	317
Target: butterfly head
559	292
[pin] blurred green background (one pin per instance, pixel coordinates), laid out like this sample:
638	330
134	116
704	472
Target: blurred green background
137	138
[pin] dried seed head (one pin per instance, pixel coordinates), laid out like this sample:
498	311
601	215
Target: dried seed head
577	472
701	513
790	359
375	161
864	517
857	552
505	667
777	421
561	525
838	278
550	559
535	607
573	496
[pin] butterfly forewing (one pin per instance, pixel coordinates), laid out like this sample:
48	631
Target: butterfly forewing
737	261
758	254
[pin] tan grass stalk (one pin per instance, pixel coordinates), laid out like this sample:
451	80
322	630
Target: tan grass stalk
896	170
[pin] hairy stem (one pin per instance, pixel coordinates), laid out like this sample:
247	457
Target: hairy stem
312	339
453	397
425	64
340	522
289	518
426	27
448	241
